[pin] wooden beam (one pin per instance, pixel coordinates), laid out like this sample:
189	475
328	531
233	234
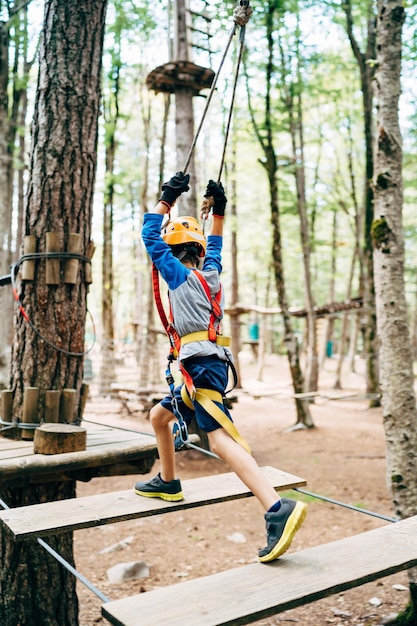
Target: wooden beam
247	594
51	518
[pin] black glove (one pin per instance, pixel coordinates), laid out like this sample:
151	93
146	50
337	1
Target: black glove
216	191
175	187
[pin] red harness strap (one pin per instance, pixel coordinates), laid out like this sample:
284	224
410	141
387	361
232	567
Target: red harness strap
174	338
216	310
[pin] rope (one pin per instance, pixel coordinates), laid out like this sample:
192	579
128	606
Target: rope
49	255
241	16
229	120
65	563
346	506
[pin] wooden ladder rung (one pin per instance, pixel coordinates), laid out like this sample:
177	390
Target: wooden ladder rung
253	592
66	515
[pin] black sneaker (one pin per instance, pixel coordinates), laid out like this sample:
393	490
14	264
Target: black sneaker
281	528
156	488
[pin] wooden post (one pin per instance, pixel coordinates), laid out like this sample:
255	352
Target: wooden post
52	400
28	267
66	415
30	410
53	266
72	265
6	405
84	396
87	271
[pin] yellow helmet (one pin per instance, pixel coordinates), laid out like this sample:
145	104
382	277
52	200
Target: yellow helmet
184	230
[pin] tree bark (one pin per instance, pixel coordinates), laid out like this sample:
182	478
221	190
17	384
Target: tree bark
396	363
184	114
367	70
111	116
59	200
35	589
304	418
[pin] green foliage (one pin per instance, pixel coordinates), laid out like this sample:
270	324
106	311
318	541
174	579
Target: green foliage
407	617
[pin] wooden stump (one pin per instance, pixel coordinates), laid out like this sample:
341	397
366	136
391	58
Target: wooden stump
59	438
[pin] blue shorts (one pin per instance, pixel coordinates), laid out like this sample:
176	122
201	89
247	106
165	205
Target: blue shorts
207	373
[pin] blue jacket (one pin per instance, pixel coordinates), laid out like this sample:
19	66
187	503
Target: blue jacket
190	306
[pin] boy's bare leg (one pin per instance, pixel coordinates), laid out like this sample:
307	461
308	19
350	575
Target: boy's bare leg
161	420
244	465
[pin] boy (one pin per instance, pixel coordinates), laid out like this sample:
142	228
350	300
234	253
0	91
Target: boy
177	253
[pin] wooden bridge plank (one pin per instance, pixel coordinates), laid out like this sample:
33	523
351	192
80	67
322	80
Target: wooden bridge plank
253	592
67	515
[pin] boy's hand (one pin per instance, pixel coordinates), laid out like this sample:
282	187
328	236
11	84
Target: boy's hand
173	188
216	191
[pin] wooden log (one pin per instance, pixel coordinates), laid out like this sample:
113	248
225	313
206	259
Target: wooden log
53	266
83	400
52	402
72	265
88	272
30	410
6	405
66	414
59	438
28	267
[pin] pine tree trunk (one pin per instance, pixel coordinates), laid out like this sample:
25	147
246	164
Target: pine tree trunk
304	418
396	363
184	114
6	172
59	200
367	69
35	589
397	379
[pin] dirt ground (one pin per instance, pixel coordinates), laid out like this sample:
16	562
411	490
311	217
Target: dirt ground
343	457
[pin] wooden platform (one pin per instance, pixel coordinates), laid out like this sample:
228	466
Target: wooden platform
253	592
109	452
51	518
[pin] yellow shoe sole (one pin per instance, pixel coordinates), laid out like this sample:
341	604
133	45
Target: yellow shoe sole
169	497
294	522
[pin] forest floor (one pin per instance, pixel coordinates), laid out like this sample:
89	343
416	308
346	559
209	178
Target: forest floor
343	457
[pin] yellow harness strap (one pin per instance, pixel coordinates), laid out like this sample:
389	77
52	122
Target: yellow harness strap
203	335
207	398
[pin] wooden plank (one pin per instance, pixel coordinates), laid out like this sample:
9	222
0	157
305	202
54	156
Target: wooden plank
66	515
15	453
246	594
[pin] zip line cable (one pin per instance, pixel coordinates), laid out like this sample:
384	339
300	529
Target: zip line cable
303	491
347	506
104	598
229	120
65	563
241	16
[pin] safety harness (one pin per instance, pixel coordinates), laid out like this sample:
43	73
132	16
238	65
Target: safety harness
209	399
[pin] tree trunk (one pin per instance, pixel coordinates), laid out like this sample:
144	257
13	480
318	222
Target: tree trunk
304	419
396	363
297	140
111	116
184	114
367	70
59	200
35	589
14	73
6	178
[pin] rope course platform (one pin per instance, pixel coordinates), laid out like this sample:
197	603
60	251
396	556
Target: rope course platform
252	592
50	518
109	452
170	77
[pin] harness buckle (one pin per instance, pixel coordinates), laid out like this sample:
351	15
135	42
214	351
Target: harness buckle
212	334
